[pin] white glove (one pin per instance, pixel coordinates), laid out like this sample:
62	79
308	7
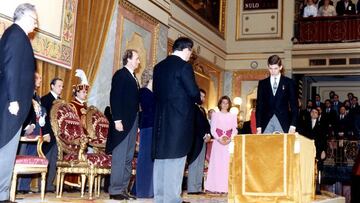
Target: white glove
42	121
14	108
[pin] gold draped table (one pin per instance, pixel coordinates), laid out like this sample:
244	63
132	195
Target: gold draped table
272	168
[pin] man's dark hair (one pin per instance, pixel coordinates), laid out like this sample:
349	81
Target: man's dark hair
182	43
274	59
53	81
128	54
203	91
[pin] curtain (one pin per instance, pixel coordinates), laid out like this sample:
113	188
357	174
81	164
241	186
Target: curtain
92	25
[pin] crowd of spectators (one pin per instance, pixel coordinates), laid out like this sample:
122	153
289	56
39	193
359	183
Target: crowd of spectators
314	8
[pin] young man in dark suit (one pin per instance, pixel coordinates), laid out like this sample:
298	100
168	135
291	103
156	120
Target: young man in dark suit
275	96
124	103
50	149
17	68
175	93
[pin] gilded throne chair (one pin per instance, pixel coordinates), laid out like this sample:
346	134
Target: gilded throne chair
98	128
72	145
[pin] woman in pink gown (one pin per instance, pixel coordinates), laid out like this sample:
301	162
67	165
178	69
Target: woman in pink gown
223	127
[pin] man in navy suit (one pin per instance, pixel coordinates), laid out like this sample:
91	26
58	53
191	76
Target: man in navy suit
124	104
276	108
17	68
176	93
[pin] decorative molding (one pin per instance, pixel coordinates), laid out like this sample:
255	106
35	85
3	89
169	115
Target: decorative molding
246	75
240	36
140	18
220	31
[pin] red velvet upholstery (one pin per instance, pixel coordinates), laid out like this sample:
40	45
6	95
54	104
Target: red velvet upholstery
100	124
70	131
99	160
31	160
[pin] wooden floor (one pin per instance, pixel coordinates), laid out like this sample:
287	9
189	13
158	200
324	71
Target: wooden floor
208	198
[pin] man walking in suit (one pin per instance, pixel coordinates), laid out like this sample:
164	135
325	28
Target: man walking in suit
275	95
196	158
50	149
124	103
17	68
175	93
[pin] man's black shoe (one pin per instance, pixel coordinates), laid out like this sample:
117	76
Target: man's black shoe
6	201
196	193
119	197
130	196
185	202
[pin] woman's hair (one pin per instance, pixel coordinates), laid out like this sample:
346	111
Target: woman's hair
146	76
224	98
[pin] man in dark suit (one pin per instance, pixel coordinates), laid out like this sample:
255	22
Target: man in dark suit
50	149
196	157
275	95
124	103
318	103
17	68
315	131
345	7
175	93
336	104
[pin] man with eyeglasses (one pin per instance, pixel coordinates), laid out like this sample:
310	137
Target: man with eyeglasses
17	68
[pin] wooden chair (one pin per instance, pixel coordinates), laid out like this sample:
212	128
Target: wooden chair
98	128
27	164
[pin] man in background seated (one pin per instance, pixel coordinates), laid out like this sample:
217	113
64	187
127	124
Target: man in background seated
345	7
310	9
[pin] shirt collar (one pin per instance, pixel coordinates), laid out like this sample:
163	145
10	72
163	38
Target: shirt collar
54	94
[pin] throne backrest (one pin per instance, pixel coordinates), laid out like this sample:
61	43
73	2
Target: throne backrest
67	127
97	127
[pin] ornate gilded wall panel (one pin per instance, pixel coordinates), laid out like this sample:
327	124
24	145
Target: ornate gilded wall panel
136	30
53	40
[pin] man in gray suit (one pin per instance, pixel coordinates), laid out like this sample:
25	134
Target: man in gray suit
175	93
196	158
124	103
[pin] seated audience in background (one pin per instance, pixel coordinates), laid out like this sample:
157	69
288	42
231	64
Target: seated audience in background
345	7
327	9
223	128
310	10
321	3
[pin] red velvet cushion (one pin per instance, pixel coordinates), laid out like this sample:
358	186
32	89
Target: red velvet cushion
31	160
100	160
